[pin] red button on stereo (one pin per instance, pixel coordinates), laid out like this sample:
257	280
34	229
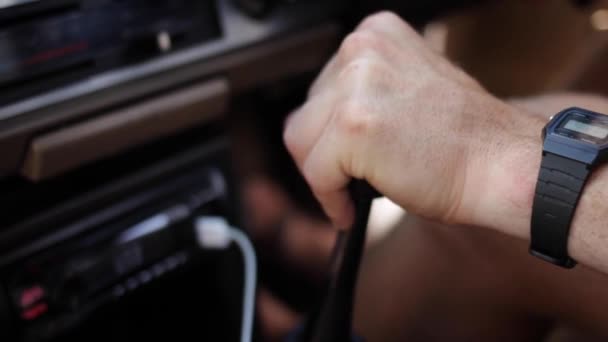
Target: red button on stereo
30	296
34	312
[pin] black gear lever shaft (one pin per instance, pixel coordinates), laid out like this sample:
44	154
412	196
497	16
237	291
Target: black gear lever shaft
332	322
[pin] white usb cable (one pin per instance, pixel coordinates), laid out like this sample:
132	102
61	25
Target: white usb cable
214	232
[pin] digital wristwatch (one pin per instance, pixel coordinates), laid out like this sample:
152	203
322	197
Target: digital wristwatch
574	142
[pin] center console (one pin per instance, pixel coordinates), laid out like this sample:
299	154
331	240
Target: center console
113	140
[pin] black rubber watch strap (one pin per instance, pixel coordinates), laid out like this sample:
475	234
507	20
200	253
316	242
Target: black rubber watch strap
560	183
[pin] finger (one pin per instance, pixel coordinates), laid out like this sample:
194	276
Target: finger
266	205
326	75
391	27
276	319
402	36
357	45
305	125
338	206
324	173
331	163
307	244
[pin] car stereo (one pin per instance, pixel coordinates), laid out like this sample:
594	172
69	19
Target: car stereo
118	240
52	42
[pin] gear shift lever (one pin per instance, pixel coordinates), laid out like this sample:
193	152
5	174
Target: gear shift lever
332	322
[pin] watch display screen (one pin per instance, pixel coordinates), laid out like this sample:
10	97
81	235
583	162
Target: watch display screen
592	129
581	130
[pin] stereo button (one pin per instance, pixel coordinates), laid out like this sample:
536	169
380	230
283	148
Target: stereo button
31	302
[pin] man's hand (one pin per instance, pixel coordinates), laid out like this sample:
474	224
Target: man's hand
389	110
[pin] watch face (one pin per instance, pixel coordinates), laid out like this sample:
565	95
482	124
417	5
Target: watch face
586	127
578	134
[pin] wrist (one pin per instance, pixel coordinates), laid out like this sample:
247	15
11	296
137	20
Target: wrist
507	177
508	171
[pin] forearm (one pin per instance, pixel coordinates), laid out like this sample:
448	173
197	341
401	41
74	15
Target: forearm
513	178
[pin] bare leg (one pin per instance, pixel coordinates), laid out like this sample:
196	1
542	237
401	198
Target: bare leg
432	282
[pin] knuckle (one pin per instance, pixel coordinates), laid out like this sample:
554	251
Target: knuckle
354	119
357	44
353	69
362	71
380	19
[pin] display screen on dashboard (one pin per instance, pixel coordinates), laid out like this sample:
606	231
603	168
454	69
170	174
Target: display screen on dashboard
68	42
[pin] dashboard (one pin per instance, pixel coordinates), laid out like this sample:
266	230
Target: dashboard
113	140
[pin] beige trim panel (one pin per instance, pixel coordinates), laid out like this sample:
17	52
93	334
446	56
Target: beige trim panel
112	132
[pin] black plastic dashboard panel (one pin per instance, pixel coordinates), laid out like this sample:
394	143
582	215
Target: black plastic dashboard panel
301	34
63	264
45	49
